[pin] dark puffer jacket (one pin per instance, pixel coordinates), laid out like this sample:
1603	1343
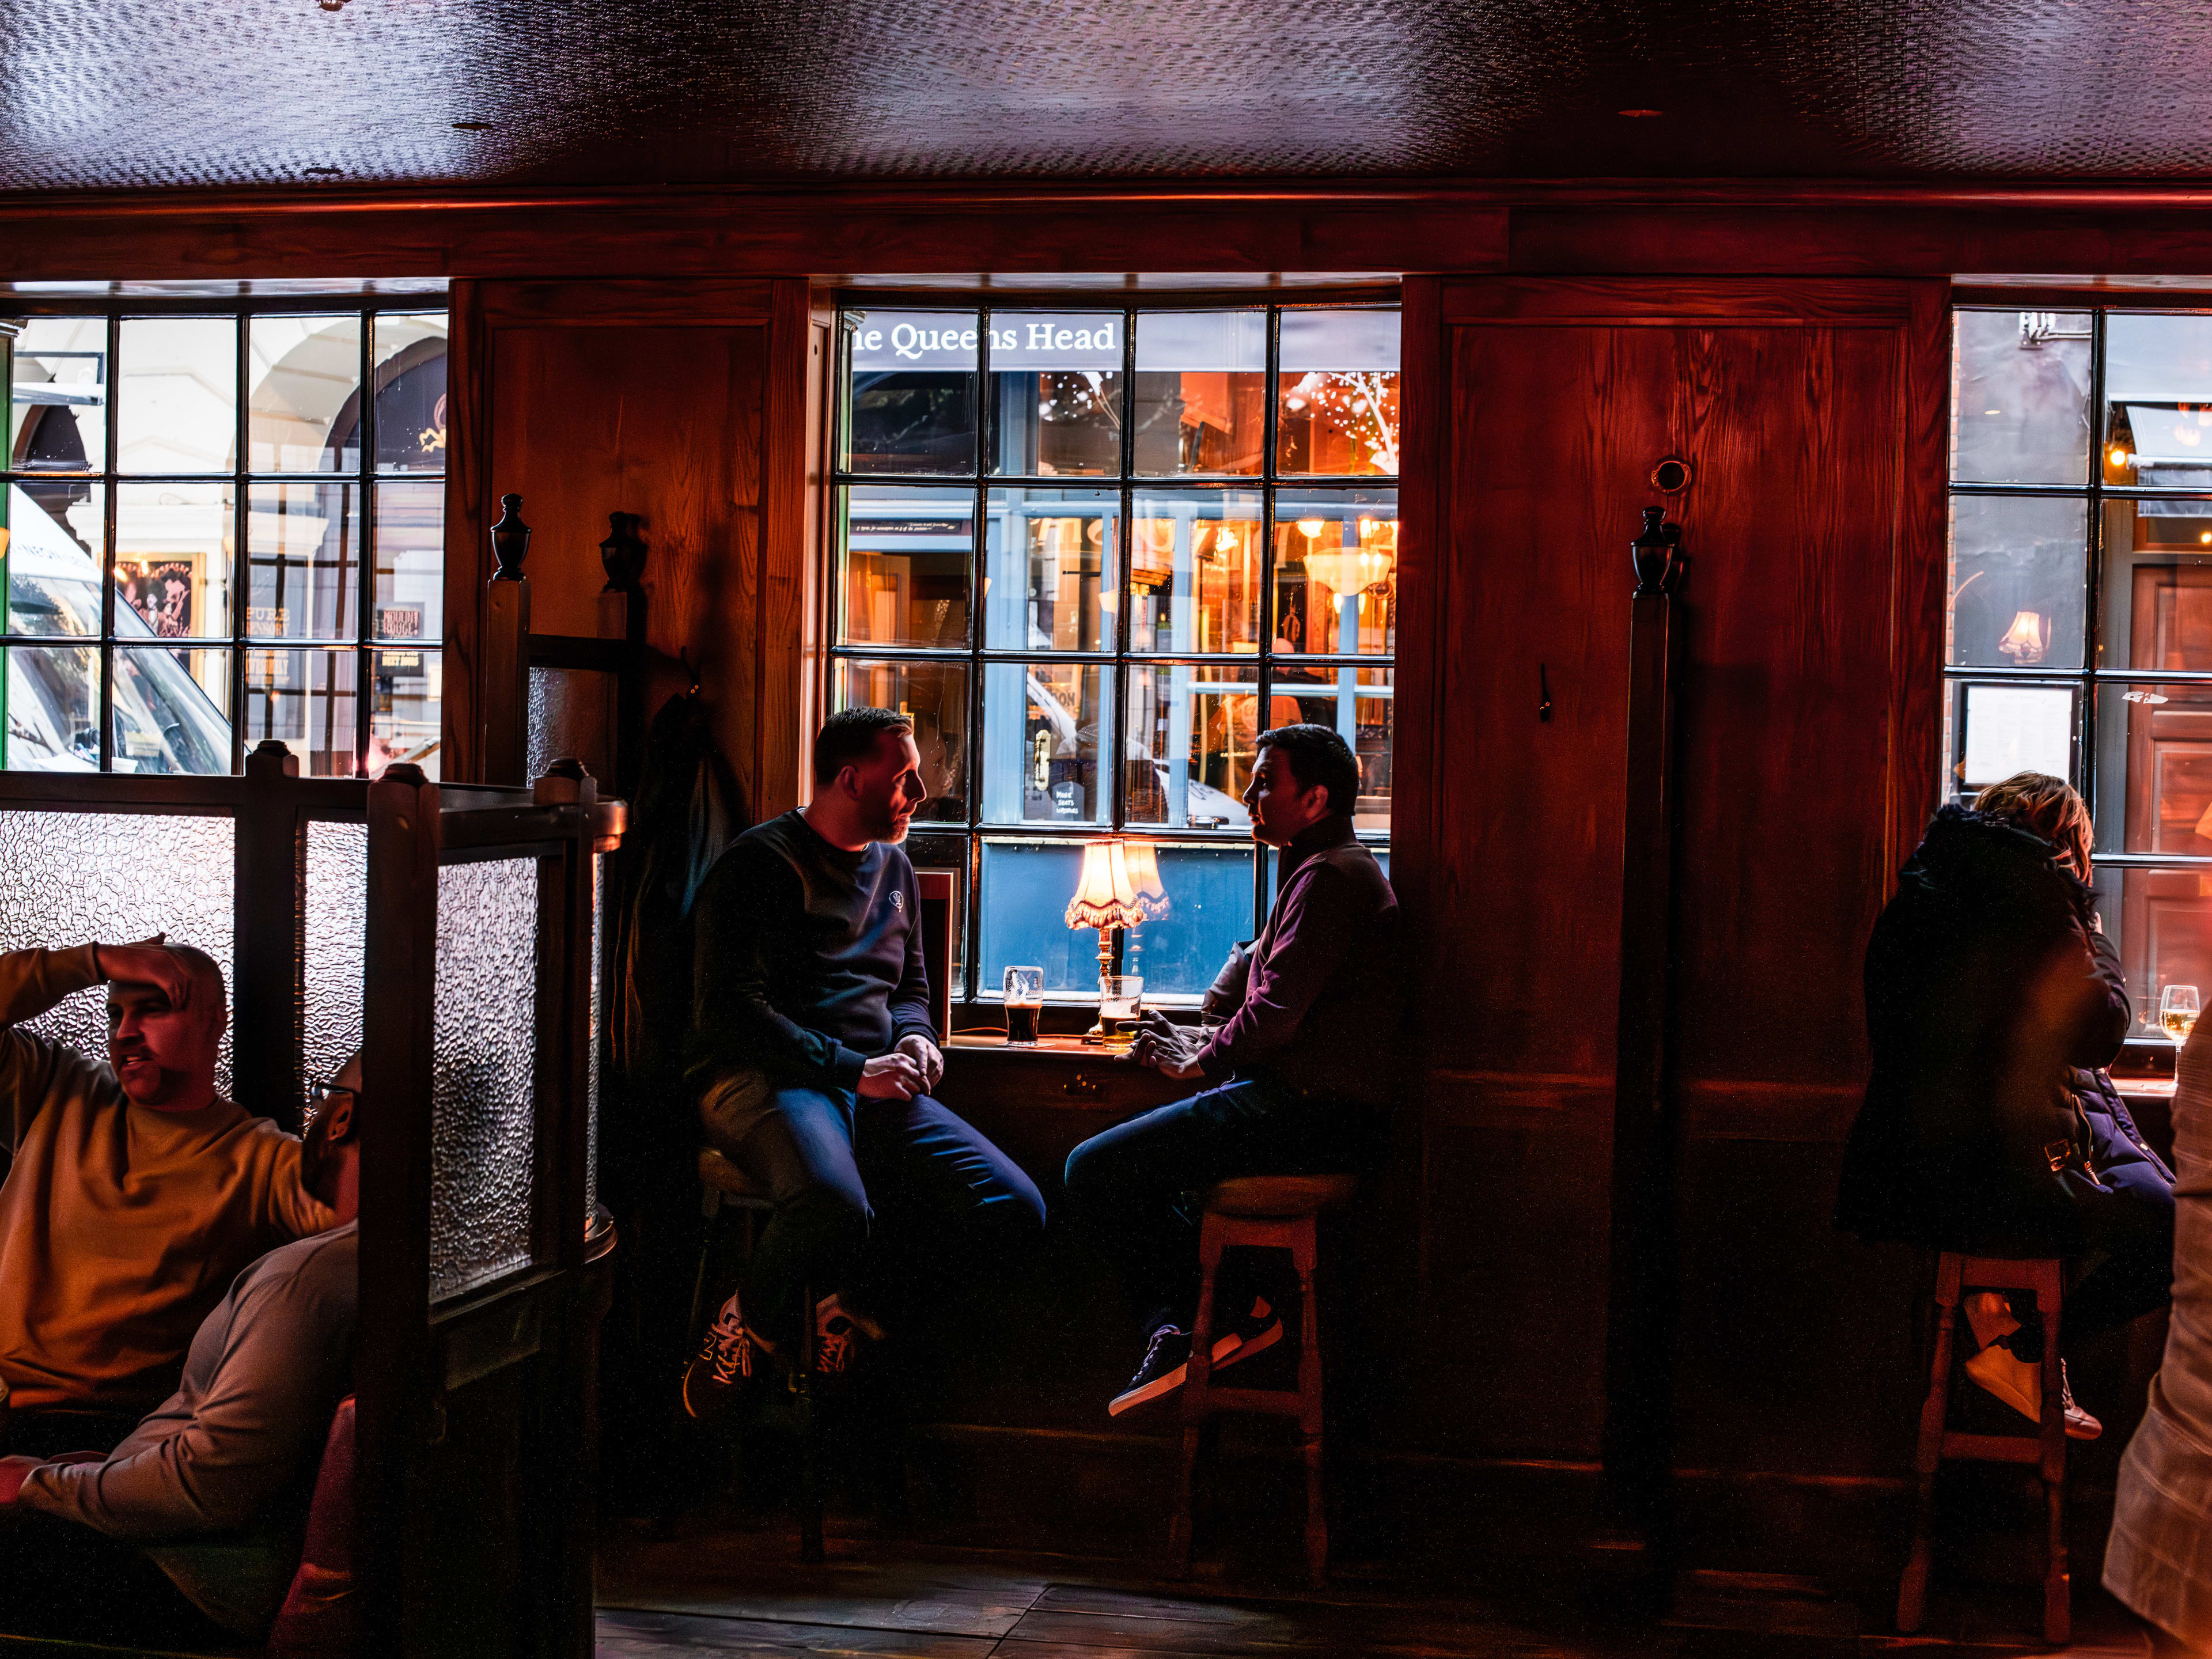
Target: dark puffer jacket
1991	998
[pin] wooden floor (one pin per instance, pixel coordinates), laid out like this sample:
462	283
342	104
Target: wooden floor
744	1594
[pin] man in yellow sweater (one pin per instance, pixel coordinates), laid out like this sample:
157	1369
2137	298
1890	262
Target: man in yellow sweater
134	1192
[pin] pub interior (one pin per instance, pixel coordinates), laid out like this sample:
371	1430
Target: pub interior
458	461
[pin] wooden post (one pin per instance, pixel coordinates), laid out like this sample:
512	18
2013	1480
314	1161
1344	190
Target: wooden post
621	617
507	651
269	896
1638	1441
392	1355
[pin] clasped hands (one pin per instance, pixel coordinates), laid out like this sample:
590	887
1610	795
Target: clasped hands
911	1069
1169	1048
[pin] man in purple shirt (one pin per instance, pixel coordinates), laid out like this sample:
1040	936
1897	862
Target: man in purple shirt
1301	1064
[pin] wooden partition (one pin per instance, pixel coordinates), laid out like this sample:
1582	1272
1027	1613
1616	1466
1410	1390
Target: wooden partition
450	934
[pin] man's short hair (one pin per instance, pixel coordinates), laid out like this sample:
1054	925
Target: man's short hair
851	735
207	985
1317	754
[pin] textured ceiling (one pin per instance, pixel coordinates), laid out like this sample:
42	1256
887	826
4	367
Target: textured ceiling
126	94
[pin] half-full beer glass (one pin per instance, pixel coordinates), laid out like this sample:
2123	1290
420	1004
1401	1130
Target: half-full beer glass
1025	1004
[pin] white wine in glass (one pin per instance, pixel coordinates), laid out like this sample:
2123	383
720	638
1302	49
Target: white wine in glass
2177	1011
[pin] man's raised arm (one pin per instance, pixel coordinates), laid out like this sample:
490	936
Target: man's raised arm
32	981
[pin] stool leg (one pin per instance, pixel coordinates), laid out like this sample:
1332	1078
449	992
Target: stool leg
710	1206
1303	1255
2057	1598
1196	1384
1912	1588
809	1465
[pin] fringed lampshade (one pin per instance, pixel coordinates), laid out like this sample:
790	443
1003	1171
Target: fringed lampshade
1103	895
1150	898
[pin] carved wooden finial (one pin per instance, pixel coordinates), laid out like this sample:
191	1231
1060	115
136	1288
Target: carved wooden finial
510	540
623	553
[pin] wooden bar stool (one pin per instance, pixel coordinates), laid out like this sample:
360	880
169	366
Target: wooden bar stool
1267	1213
723	1185
1956	1273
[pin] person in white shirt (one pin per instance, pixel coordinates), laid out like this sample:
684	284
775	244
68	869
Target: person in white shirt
189	1530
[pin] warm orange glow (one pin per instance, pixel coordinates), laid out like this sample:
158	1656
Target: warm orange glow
1347	570
2119	457
2023	640
1104	897
1310	528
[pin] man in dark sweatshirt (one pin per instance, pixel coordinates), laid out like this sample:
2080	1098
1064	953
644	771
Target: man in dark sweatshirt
813	1054
1301	1064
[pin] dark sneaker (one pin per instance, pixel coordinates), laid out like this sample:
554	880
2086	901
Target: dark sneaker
838	1336
1166	1365
1256	1333
730	1358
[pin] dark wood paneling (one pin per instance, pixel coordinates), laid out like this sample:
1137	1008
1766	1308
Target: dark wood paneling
1813	537
684	402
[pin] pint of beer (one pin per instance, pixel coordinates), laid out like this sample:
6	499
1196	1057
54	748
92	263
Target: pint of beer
1025	1004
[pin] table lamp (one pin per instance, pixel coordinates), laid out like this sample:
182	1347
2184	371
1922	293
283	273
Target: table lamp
1150	900
1104	899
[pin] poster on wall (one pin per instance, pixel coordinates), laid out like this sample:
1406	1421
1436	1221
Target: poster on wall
160	591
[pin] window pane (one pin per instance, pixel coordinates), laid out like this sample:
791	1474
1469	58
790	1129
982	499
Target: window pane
1207	900
179	397
171	711
303	409
2157	604
1025	891
910	403
52	556
1053	568
2023	398
410	371
1201	391
1997	730
2019	572
60	396
934	696
410	562
172	546
906	561
53	723
2161	922
1058	378
2154	769
307	698
1336	572
303	552
1041	727
2158	385
1358	704
1337	396
1194	576
408	688
1192	731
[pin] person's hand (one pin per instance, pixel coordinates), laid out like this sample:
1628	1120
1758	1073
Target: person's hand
893	1076
147	963
12	1471
1170	1049
924	1054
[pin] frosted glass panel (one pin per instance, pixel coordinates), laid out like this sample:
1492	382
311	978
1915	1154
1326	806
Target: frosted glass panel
69	878
571	713
598	1025
336	942
483	1052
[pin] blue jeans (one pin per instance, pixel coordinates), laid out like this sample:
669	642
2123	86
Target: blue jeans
1134	1186
873	1198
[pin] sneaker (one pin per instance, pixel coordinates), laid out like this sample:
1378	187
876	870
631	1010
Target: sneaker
730	1358
1166	1365
838	1335
2019	1383
1258	1331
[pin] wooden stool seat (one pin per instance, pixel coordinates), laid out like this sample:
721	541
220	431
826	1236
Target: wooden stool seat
1956	1273
1261	1212
730	1184
1281	1197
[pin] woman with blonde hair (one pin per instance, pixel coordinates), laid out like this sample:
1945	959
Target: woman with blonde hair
1993	1001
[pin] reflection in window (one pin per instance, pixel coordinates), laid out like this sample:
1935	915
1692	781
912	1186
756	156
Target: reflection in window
1067	547
243	515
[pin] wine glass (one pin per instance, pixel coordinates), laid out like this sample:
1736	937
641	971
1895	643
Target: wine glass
2177	1011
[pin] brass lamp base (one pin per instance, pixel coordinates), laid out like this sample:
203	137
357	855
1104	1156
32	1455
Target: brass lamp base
1096	1037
